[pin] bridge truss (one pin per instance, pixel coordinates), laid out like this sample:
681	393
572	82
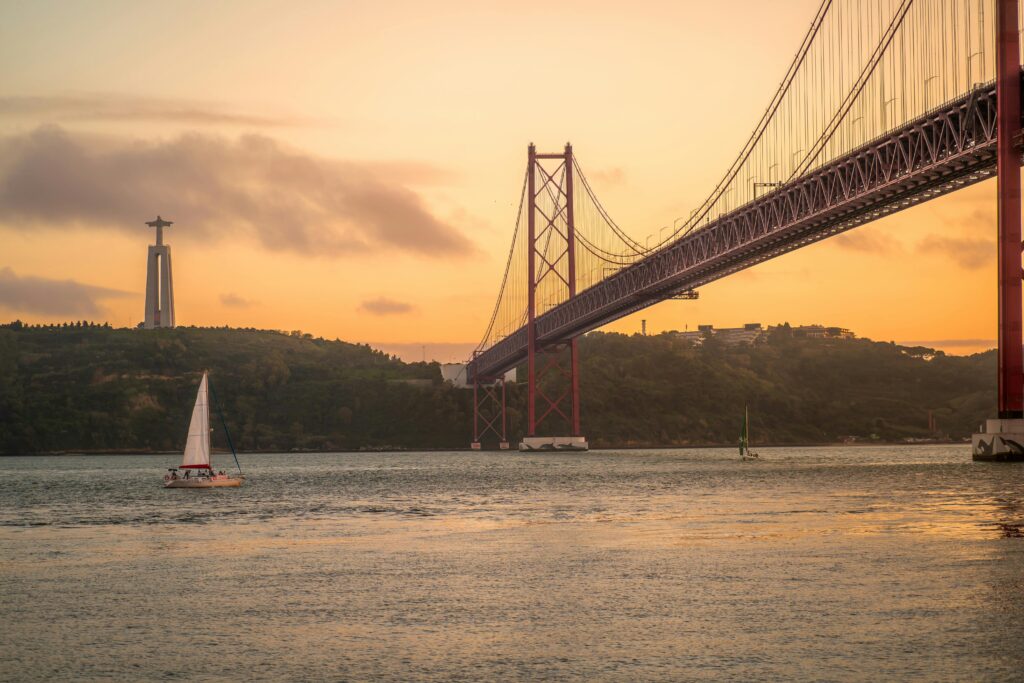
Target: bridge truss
855	164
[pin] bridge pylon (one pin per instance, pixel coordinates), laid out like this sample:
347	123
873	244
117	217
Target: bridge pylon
1003	438
489	415
552	365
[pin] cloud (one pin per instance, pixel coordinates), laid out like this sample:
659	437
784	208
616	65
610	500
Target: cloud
217	188
232	300
384	306
607	176
968	253
43	296
868	242
108	107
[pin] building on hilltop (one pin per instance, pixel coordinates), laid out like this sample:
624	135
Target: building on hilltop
695	337
750	333
822	332
753	333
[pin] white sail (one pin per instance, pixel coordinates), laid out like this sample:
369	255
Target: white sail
197	448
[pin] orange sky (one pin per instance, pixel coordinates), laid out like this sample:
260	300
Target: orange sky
352	168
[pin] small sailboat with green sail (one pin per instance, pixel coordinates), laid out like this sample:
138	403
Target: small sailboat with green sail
745	452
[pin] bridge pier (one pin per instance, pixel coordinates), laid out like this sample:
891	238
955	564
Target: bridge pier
489	415
1003	438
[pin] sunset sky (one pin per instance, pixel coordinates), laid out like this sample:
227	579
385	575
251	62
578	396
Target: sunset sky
352	169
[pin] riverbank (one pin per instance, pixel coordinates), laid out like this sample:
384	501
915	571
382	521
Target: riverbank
139	452
98	389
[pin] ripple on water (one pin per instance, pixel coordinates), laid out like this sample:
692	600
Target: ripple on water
827	563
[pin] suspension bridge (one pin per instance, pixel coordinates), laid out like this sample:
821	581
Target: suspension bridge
886	104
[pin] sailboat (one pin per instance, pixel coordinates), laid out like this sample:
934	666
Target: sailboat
745	452
198	473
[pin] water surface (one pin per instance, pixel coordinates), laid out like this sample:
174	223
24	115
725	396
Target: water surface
818	563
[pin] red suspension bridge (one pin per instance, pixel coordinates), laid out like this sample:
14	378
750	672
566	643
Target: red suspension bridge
887	104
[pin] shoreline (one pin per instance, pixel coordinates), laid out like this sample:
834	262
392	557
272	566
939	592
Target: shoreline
823	444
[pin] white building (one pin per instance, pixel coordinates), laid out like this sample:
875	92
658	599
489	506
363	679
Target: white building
730	336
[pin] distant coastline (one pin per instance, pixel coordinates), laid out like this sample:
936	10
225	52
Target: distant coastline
90	389
834	444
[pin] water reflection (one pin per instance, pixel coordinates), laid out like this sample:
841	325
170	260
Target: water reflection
649	565
1011	517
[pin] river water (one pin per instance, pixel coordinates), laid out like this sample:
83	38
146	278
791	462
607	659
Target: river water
817	563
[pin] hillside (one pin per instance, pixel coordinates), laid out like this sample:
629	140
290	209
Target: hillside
96	388
660	389
99	388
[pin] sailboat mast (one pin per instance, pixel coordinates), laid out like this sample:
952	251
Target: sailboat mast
746	423
743	434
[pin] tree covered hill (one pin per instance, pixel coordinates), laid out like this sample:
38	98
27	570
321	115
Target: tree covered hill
660	389
85	387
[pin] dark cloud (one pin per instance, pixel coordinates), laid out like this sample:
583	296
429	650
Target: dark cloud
214	187
127	108
966	252
384	306
42	296
232	300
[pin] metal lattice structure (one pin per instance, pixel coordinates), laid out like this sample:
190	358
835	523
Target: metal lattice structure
949	148
886	104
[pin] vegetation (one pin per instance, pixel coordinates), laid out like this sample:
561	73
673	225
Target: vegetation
96	388
83	387
662	390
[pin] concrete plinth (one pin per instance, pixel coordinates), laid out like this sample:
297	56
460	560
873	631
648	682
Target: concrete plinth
476	446
554	443
1002	441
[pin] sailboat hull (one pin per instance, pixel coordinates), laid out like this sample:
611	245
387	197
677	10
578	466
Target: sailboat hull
203	483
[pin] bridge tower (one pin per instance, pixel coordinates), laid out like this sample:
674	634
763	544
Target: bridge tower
1003	438
553	388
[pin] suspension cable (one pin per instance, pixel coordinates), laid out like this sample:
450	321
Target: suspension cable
508	264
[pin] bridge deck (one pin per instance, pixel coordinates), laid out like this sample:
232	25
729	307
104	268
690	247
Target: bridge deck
949	148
